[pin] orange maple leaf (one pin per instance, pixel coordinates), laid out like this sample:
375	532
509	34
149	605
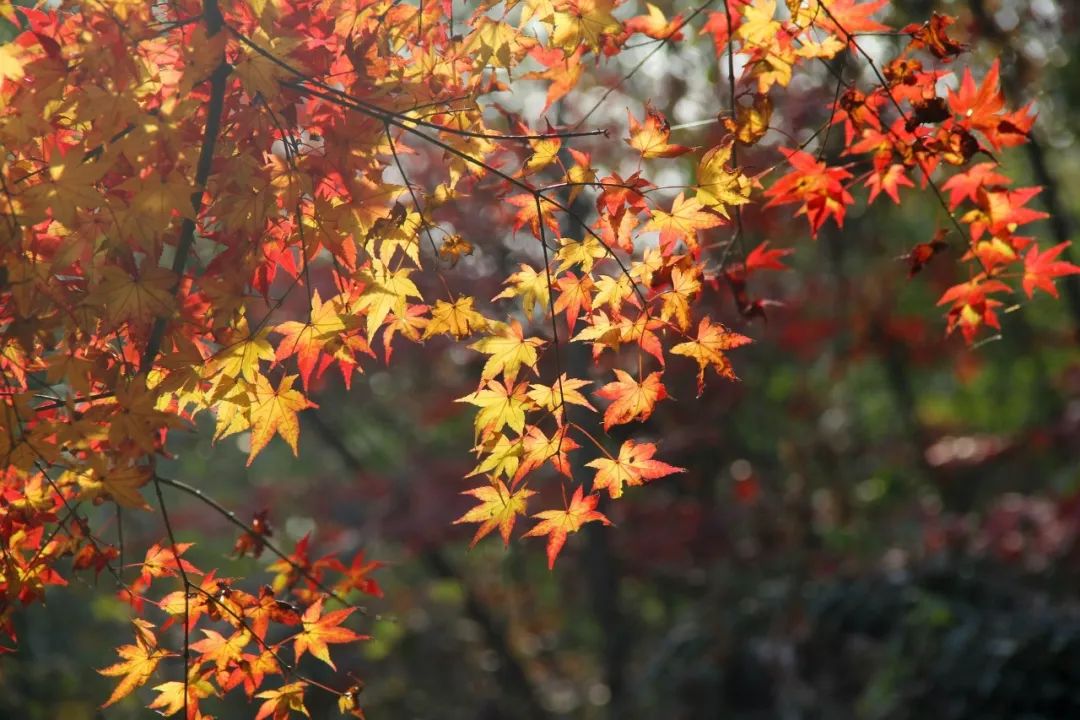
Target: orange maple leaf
634	466
651	137
556	524
319	630
306	340
708	349
630	399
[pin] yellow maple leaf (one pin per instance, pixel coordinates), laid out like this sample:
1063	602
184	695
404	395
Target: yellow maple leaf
686	218
170	699
563	390
385	290
759	26
531	285
717	186
496	44
503	457
274	412
498	508
577	22
10	62
258	73
138	662
544	152
128	299
509	350
684	285
457	318
241	359
119	483
500	405
584	253
283	701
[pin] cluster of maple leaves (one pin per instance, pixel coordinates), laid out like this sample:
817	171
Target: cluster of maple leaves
204	206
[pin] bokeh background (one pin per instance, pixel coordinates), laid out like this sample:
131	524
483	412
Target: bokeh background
876	522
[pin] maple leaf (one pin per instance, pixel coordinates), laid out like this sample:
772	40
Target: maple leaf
122	483
241	359
1040	269
684	285
762	258
982	108
349	702
308	340
966	185
922	253
717	186
279	704
545	151
160	561
708	349
134	299
260	74
503	456
934	37
457	318
651	137
971	308
498	508
720	25
138	662
655	25
455	247
11	65
583	253
319	630
751	122
386	290
509	350
170	699
849	17
686	218
274	412
355	576
575	296
221	650
537	449
634	466
889	182
557	524
495	44
631	400
530	285
500	404
563	390
266	608
583	22
817	186
563	71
